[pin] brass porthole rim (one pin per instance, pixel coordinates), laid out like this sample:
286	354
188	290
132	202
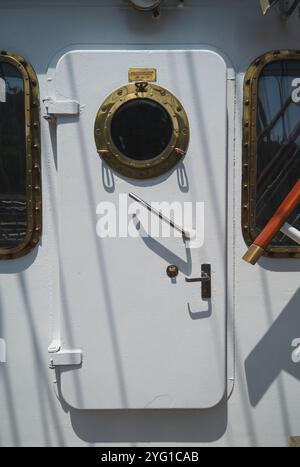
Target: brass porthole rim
150	168
33	163
249	150
150	162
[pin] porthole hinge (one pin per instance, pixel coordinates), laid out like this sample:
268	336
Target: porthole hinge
54	108
64	357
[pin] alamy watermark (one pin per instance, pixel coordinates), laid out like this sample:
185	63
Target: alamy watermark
131	219
2	90
2	350
296	352
296	92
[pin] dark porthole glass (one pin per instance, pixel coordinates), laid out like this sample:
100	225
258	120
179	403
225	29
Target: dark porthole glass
13	205
278	142
141	129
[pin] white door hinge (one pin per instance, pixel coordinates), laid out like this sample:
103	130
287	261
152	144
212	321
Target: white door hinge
65	357
55	108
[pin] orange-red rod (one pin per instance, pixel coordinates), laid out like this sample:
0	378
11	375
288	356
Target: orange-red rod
282	214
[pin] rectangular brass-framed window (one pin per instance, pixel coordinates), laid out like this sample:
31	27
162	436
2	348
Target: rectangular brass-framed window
271	145
20	166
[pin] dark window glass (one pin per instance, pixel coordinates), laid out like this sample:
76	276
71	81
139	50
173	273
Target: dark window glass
13	208
141	129
278	141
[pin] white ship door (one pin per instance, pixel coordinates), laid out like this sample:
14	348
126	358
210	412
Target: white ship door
151	332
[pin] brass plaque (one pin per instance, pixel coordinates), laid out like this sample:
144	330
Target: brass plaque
142	74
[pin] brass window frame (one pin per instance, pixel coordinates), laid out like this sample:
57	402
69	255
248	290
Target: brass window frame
249	155
151	168
33	157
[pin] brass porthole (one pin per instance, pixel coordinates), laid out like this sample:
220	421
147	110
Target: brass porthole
141	131
271	145
20	161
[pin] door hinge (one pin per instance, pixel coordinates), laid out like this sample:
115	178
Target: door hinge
65	357
55	108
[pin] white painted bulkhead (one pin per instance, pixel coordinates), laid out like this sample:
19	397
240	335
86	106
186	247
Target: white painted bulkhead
260	407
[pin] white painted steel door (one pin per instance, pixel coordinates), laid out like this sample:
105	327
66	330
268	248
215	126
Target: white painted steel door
147	341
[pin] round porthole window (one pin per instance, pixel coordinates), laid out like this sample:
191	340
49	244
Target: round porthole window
141	131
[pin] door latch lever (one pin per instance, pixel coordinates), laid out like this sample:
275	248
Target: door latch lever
205	280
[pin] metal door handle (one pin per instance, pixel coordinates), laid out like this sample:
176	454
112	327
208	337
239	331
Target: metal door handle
205	280
185	235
